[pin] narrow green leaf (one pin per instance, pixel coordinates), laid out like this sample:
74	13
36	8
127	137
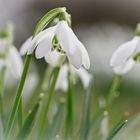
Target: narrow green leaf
96	121
47	19
116	129
44	120
69	115
28	123
130	131
18	97
1	129
86	113
115	85
57	122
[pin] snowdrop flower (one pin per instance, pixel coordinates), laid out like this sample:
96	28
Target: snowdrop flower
126	56
62	82
9	57
58	41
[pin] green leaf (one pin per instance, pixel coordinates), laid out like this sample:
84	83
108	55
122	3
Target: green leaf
1	129
137	30
28	123
86	114
47	19
96	121
57	122
116	129
130	131
69	115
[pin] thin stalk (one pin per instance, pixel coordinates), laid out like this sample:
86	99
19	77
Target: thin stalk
86	114
43	89
2	81
46	80
51	93
69	117
20	114
114	88
18	97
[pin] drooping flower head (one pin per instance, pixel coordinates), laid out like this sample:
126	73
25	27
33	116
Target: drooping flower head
57	42
82	74
126	56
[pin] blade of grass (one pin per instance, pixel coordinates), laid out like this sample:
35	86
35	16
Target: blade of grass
2	86
1	129
18	97
86	113
116	129
114	88
130	130
29	122
50	96
20	114
96	121
69	115
57	121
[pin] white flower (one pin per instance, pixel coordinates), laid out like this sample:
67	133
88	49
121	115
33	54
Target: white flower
68	44
62	82
122	60
9	57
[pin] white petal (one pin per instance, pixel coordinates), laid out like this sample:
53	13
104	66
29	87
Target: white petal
76	58
138	44
30	45
43	41
73	47
123	69
47	33
26	45
53	58
84	76
15	62
66	37
123	53
85	57
43	48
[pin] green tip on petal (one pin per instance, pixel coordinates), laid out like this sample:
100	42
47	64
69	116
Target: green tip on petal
137	31
137	57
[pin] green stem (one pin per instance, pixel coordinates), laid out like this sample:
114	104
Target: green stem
2	81
46	80
18	97
86	114
20	112
69	117
51	93
114	88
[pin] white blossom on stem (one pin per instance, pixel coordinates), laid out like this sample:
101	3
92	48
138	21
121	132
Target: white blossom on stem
82	74
10	58
58	40
126	56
